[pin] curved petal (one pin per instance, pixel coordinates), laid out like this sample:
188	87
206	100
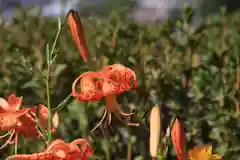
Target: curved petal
118	79
86	148
3	104
90	87
53	145
201	152
43	116
77	156
77	31
36	156
10	120
14	102
59	149
27	126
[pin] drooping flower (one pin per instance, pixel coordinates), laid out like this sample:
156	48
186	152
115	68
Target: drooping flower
18	121
203	152
77	31
109	83
27	124
178	140
60	150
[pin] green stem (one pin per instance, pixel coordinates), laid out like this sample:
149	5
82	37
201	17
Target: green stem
16	144
129	152
49	107
62	104
56	39
47	81
164	148
108	149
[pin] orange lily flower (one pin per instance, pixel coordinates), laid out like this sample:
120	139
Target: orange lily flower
203	152
60	150
27	124
110	82
19	121
10	113
77	31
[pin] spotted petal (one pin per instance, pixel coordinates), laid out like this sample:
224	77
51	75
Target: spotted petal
88	87
36	156
10	120
118	79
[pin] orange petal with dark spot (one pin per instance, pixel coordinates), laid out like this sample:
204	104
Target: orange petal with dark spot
9	120
86	148
87	87
118	79
36	156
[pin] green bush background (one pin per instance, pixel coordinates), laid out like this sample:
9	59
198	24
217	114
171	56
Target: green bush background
165	56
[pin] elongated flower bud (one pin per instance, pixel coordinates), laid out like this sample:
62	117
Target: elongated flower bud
155	130
178	140
77	31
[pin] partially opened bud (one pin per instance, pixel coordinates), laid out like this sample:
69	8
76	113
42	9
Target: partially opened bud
178	140
55	121
155	130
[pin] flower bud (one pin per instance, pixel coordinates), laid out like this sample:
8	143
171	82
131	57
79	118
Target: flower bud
178	140
155	130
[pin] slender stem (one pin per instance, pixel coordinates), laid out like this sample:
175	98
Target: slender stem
167	139
55	40
62	104
129	152
49	107
47	81
16	144
31	68
108	149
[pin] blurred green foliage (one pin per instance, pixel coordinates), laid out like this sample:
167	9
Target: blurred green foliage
190	71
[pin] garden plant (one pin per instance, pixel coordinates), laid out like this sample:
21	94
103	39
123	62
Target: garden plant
85	88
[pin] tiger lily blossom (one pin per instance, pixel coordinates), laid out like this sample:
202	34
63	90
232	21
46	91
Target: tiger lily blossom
20	121
60	150
203	152
111	81
27	124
